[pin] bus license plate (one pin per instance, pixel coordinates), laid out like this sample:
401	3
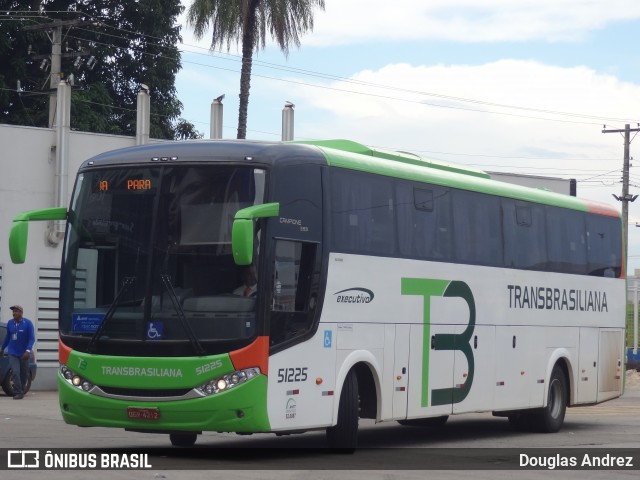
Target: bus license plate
136	413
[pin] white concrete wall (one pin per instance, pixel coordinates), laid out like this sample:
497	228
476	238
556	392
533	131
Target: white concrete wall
27	182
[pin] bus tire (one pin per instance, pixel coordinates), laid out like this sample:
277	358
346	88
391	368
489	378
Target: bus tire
343	436
183	439
550	418
433	422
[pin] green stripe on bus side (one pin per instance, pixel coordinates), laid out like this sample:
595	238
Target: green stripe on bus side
404	157
364	163
426	288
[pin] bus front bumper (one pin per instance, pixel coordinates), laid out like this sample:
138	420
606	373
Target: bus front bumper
241	409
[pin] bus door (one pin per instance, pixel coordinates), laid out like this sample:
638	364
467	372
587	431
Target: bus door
292	264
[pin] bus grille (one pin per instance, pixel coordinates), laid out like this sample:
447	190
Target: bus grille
145	392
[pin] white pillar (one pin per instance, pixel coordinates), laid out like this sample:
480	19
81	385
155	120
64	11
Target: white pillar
55	232
287	122
215	126
143	116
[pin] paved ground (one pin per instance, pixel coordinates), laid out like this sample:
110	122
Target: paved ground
389	450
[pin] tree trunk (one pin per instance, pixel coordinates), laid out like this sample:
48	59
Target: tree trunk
248	42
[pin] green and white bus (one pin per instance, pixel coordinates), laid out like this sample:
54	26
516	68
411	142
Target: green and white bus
389	287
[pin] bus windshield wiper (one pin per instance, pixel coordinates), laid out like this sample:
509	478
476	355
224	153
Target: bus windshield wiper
127	282
197	346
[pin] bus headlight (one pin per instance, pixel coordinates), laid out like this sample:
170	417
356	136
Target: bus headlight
228	381
74	379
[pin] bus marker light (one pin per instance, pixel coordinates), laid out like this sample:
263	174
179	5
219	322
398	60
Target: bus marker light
318	381
499	384
293	392
327	393
399	377
522	372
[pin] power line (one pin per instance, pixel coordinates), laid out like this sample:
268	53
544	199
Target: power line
362	83
572	172
238	58
324	87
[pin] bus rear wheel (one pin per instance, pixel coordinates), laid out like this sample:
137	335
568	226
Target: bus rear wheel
183	439
343	436
551	417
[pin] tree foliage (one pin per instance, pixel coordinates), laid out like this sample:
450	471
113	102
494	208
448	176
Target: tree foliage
248	21
129	43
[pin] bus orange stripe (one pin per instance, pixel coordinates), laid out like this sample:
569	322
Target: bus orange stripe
63	352
254	355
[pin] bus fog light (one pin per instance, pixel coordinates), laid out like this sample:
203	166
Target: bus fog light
76	381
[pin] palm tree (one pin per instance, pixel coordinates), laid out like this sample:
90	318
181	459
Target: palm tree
248	21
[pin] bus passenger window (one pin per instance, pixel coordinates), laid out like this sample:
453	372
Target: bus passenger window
294	296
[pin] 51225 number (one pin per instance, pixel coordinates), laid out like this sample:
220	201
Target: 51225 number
296	374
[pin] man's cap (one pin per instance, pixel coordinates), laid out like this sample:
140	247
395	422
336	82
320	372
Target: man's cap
17	307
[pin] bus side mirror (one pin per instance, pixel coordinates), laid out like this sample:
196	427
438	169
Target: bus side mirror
20	229
242	232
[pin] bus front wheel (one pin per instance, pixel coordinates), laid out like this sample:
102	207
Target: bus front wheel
343	436
183	439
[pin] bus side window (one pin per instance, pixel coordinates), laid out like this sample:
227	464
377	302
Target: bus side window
294	293
604	246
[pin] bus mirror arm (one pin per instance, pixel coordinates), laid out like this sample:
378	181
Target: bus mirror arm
20	229
242	232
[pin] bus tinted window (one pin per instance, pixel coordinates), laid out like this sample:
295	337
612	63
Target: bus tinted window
477	229
363	213
424	222
385	216
524	235
604	240
566	240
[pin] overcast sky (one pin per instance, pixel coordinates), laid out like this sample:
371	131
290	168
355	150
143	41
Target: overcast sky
520	86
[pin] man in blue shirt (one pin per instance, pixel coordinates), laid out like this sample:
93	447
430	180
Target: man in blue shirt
19	342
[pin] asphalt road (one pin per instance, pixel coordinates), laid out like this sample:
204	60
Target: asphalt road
485	444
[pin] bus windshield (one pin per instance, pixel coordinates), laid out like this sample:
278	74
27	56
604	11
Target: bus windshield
148	261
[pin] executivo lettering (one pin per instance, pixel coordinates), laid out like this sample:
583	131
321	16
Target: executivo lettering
142	372
546	298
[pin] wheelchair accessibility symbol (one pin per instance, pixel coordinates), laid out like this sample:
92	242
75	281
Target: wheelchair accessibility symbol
327	339
154	330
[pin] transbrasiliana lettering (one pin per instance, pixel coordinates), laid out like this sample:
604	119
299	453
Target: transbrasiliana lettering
547	298
142	372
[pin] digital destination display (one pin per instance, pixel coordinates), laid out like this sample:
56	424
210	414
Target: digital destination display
130	184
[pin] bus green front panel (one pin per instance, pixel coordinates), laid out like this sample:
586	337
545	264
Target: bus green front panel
240	409
218	412
148	372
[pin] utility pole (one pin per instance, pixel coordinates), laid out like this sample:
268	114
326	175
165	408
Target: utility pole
625	198
55	76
